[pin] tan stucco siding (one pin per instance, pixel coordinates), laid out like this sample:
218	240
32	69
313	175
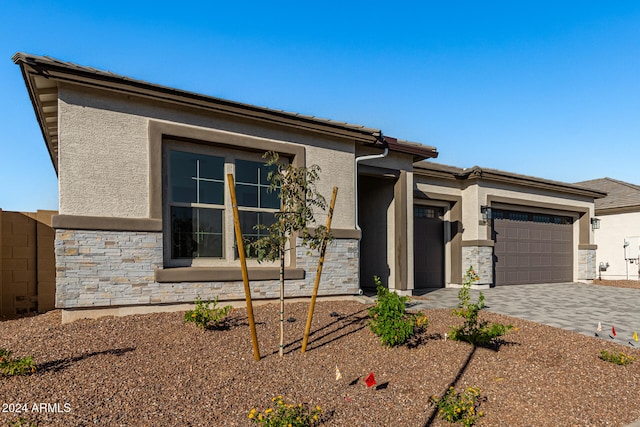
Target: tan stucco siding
393	160
102	158
337	170
434	188
104	143
532	199
476	194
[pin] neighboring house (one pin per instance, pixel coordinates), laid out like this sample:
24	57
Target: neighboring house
145	219
618	235
27	263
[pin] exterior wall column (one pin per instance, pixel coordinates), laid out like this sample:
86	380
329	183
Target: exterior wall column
477	243
479	255
410	233
586	249
401	235
455	227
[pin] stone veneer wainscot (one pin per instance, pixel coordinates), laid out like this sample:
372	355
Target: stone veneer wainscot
116	268
586	264
481	259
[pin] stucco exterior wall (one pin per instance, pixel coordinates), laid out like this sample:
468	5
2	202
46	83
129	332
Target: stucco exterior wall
610	240
495	194
108	168
104	164
337	170
476	233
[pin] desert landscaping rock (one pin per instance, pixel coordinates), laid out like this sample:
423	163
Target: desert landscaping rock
154	370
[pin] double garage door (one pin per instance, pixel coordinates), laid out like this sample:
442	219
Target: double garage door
532	248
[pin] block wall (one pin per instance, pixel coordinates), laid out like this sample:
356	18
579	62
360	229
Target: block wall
27	273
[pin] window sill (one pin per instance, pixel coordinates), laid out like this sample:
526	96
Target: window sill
223	274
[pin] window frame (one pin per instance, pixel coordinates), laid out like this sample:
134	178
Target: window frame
230	156
193	205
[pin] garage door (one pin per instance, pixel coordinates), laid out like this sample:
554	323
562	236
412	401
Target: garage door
532	248
428	247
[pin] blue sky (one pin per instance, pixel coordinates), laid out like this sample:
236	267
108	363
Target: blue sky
543	88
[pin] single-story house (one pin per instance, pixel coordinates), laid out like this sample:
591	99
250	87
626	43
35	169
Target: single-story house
145	220
618	232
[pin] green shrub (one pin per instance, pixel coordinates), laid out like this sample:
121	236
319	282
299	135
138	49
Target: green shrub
21	422
459	407
619	358
474	331
389	320
11	366
203	315
286	415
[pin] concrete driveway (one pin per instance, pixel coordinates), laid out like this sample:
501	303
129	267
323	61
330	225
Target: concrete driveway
577	307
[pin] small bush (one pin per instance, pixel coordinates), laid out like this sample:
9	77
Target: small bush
286	414
459	407
203	315
10	366
474	331
389	319
619	358
21	422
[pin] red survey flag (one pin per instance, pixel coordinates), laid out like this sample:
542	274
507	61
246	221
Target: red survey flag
370	381
613	330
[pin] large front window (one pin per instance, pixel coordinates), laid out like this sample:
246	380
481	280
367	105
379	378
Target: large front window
256	203
196	198
199	212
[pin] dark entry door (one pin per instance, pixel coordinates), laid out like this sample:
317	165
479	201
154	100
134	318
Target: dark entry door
375	196
532	248
428	247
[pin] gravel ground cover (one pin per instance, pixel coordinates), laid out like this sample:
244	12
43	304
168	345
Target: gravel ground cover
154	370
633	284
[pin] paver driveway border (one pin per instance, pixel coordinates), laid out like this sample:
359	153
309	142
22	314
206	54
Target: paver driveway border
576	307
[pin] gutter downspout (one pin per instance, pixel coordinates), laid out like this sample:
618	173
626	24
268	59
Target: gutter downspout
355	185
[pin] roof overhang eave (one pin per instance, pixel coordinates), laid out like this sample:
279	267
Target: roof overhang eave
112	82
419	152
496	176
477	173
33	91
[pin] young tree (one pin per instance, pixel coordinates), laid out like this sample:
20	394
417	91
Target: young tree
296	187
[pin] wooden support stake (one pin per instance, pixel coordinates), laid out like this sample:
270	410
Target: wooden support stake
243	263
323	249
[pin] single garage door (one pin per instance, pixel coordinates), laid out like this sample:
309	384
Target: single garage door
428	247
532	248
